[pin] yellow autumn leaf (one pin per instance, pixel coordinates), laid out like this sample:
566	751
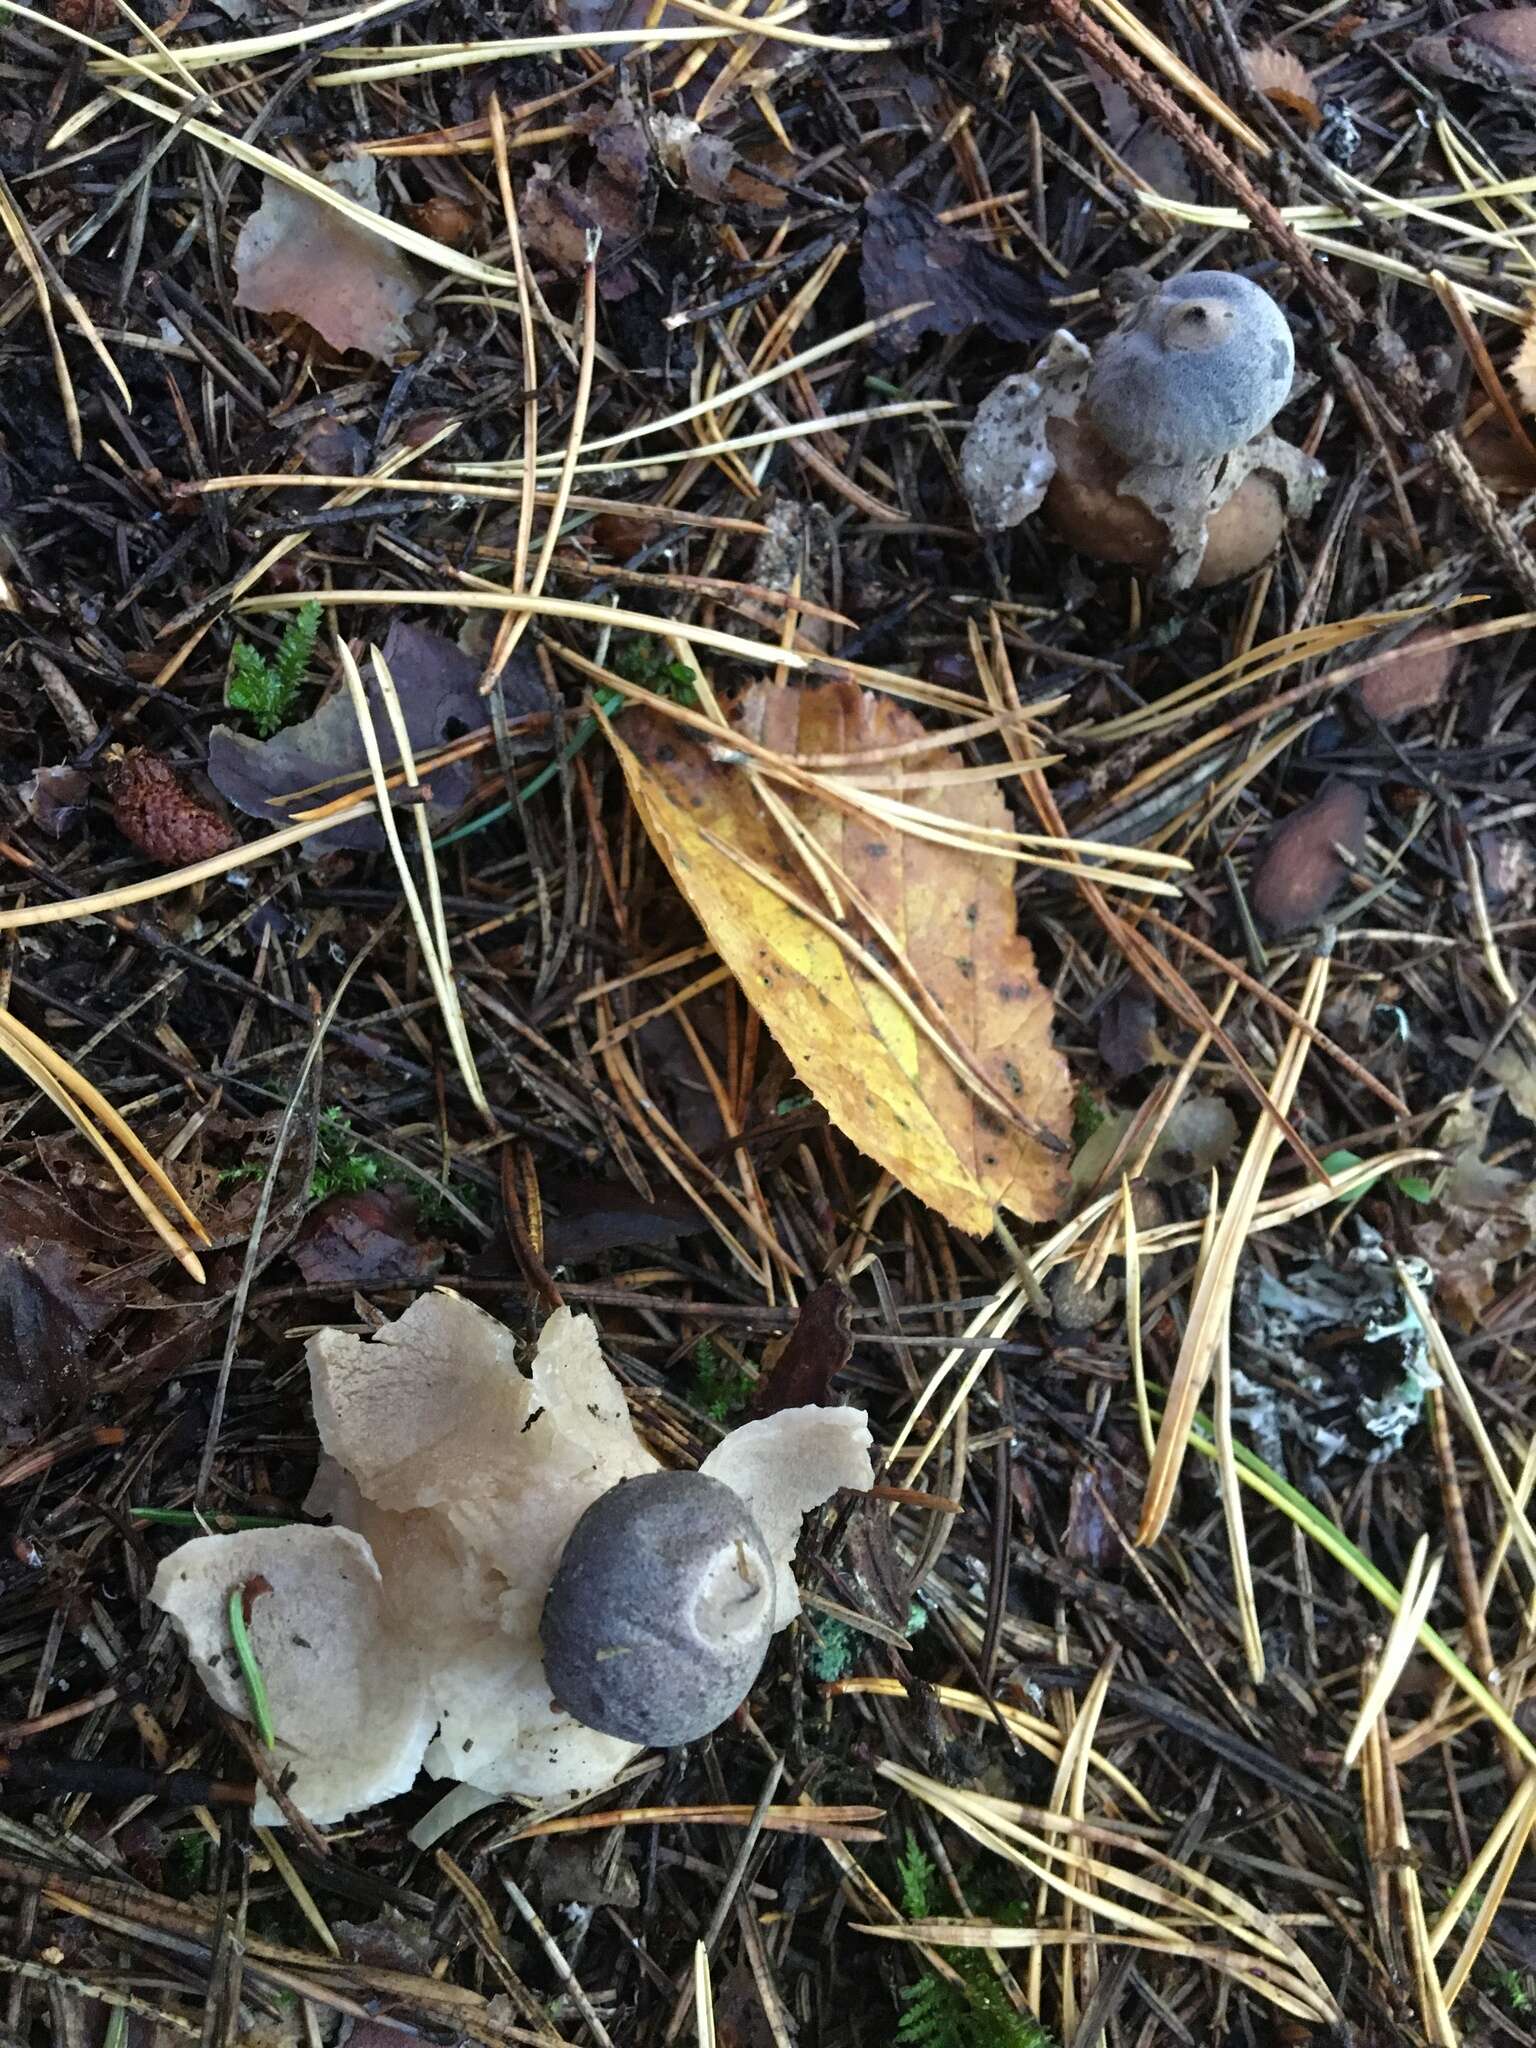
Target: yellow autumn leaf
888	966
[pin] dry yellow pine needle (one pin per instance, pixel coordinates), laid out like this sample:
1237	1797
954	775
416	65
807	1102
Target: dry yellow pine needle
460	56
70	1092
26	252
246	49
30	914
1418	1593
1130	1240
1232	1504
1509	1839
439	971
703	1996
512	628
708	451
1210	1311
1254	1948
1177	72
1042	1736
1067	1799
1444	1361
526	492
862	1823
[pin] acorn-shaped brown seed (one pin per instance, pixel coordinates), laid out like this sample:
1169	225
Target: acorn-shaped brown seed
661	1611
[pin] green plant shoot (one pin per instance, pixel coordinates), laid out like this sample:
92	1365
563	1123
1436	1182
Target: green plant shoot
267	689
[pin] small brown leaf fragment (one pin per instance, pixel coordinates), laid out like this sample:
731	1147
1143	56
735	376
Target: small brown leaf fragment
908	256
622	534
331	448
56	799
446	220
1503	463
48	1310
1406	679
251	1591
883	1585
1075	1307
559	217
817	1349
368	1239
1496	49
301	256
1127	1039
155	805
1090	1538
91	16
1285	82
1299	871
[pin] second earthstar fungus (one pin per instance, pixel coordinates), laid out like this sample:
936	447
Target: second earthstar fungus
460	1489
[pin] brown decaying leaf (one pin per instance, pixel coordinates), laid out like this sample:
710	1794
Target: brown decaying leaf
613	201
438	685
908	256
1299	873
1285	82
814	1353
1493	49
950	949
155	805
1499	459
369	1239
446	220
1406	679
1486	1217
297	255
48	1311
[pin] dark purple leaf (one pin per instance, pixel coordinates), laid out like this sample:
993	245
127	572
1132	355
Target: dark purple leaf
367	1240
1126	1043
909	255
440	697
584	1218
56	799
50	1307
819	1346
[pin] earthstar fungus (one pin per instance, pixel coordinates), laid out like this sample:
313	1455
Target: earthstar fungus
1153	449
408	1633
